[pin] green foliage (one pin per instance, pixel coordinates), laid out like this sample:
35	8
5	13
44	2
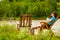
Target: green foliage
58	0
38	8
11	33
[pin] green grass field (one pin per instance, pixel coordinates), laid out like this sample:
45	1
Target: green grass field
11	33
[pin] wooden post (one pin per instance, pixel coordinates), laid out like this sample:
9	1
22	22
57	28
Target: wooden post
25	20
21	21
30	21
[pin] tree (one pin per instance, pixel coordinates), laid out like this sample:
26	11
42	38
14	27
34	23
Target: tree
50	5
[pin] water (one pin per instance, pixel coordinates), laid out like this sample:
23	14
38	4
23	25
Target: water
34	23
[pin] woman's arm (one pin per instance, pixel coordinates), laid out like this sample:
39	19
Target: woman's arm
49	20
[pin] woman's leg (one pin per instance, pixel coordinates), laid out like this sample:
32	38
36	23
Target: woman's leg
43	25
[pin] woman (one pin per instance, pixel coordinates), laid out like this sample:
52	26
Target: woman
50	22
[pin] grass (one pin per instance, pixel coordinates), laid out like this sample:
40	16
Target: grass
11	33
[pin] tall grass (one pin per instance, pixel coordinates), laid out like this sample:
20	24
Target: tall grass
11	33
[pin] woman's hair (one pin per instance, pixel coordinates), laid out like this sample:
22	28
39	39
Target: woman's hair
49	16
55	14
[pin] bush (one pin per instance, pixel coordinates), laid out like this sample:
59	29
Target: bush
11	33
35	7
